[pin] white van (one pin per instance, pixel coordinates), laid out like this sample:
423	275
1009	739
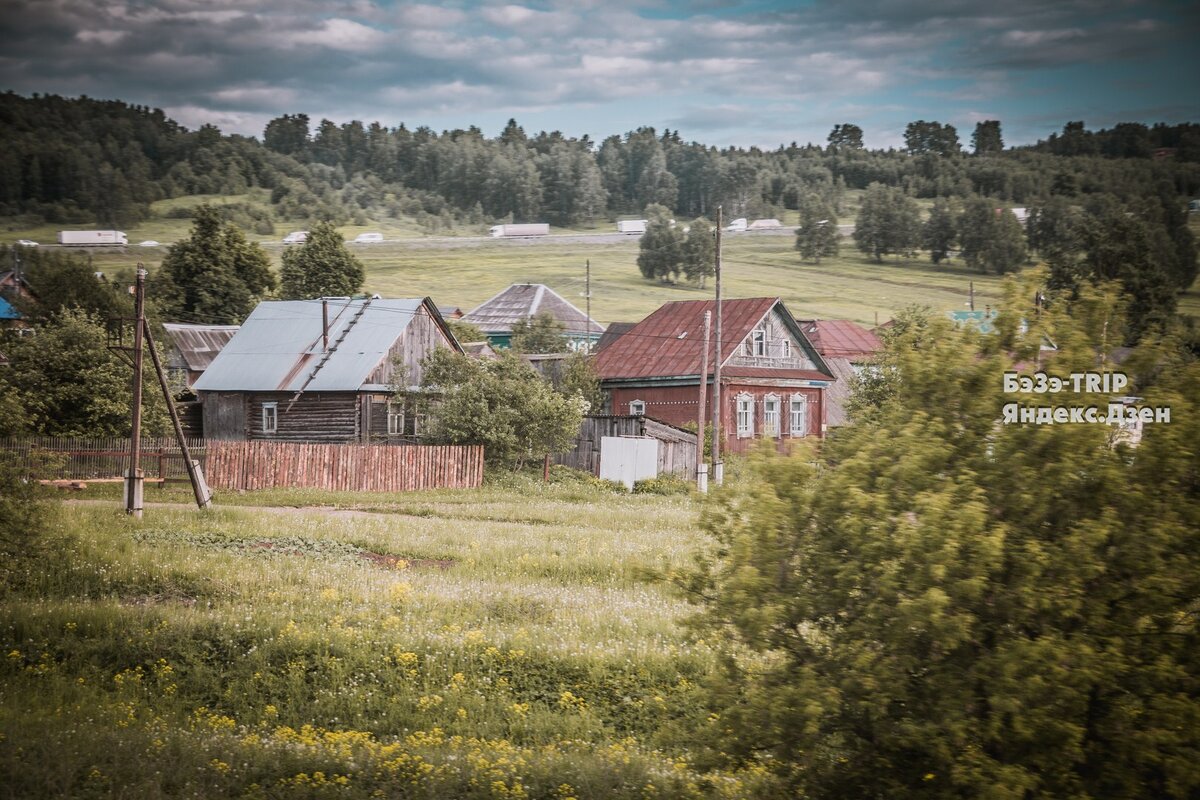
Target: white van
368	238
296	237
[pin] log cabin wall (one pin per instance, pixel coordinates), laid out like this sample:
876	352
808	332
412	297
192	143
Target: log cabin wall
331	417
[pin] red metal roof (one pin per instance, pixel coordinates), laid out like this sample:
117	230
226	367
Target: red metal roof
840	338
668	342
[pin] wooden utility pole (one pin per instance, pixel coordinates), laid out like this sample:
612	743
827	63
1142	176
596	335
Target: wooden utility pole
718	465
134	479
199	486
971	295
701	467
588	296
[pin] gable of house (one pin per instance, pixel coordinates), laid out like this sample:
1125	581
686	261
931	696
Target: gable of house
496	316
760	338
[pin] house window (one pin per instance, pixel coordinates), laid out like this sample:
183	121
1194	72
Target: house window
799	415
270	417
745	416
771	415
785	348
756	345
395	417
637	407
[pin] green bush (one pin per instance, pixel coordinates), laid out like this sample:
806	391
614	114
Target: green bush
664	485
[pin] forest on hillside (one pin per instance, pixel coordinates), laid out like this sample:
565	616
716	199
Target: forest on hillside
1101	205
103	162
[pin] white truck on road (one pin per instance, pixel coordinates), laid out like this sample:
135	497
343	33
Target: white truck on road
86	238
631	226
520	229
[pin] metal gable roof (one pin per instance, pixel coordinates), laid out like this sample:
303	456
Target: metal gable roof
840	338
524	300
668	343
280	343
198	345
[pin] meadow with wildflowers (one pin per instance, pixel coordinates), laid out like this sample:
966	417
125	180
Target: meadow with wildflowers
509	642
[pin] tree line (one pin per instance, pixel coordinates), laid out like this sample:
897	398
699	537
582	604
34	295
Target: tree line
89	161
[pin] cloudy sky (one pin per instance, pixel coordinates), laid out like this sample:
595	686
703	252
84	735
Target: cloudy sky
744	72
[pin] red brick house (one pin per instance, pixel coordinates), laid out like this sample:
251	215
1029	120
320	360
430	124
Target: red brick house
773	381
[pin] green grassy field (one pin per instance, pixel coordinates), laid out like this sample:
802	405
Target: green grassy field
505	642
464	273
465	270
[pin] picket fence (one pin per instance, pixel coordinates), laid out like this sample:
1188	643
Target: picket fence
257	465
342	467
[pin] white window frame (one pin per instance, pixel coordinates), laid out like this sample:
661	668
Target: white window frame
758	342
801	430
395	420
772	423
785	348
637	408
745	416
270	417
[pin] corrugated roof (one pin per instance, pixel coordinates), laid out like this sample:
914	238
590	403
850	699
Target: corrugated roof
524	300
199	344
668	343
840	338
614	331
279	344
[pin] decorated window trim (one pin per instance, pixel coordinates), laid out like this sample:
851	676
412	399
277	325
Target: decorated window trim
801	429
745	415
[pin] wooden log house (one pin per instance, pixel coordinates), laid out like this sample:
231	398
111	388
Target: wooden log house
321	371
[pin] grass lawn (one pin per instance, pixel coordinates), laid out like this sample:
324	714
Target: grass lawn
465	270
504	642
465	273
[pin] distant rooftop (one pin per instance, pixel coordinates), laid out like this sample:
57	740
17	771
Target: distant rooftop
524	300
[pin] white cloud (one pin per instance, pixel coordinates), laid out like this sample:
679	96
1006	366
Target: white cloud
335	34
102	37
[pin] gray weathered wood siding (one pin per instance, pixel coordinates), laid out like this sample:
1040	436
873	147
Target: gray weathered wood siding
676	448
777	333
224	415
420	338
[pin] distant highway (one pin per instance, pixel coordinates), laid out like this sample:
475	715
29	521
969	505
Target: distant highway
518	241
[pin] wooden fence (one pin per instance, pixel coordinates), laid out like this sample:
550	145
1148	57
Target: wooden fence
82	459
342	467
676	446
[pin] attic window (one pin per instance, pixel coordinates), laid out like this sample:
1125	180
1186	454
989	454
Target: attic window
757	343
785	348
